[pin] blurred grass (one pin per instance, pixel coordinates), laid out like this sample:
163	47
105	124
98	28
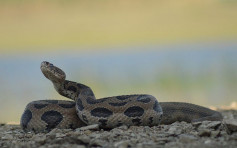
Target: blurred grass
44	25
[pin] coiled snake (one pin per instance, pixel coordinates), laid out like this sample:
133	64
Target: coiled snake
85	109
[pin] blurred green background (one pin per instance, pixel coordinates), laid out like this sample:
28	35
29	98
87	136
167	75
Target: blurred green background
175	50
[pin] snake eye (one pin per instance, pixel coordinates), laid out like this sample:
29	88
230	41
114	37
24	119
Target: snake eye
50	65
47	63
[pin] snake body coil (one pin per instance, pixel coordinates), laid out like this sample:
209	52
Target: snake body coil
108	112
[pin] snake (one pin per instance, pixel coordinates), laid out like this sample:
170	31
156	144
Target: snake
110	112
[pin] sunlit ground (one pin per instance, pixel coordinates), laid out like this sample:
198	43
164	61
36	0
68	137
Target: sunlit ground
175	50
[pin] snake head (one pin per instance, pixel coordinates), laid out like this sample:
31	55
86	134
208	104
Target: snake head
53	73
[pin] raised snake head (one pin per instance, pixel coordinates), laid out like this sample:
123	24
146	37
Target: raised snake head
53	73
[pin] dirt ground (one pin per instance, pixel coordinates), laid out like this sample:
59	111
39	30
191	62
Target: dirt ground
207	134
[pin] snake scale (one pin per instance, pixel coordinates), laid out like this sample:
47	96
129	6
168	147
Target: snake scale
110	112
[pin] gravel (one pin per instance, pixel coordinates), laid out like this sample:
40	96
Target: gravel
207	134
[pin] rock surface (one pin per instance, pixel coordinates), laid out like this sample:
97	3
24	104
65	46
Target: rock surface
211	134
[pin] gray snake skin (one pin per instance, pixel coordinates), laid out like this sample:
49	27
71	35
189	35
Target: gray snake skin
110	112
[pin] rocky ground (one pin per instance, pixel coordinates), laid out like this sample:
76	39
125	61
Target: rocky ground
179	134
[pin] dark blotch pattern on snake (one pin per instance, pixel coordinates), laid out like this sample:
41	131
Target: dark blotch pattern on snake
110	112
52	118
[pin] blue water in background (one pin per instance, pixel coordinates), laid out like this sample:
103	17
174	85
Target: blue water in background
22	81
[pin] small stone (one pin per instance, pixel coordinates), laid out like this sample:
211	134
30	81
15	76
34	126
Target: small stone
231	125
8	132
185	138
174	130
20	136
214	124
84	139
54	131
121	144
139	145
223	133
233	136
204	133
60	135
96	142
134	140
7	137
210	125
194	133
29	135
215	133
75	133
39	139
123	127
77	146
89	127
87	132
207	141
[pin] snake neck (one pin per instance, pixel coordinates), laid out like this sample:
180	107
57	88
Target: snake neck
72	90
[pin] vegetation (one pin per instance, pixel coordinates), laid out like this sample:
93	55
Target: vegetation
63	24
